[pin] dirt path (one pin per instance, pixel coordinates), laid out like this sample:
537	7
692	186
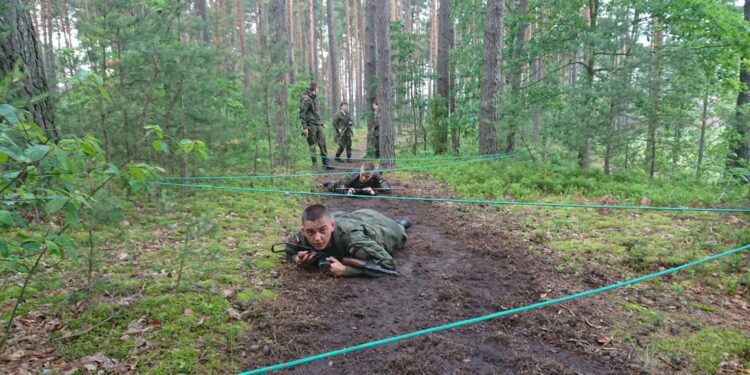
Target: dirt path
456	265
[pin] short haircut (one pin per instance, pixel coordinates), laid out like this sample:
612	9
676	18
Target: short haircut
369	167
313	85
314	212
342	104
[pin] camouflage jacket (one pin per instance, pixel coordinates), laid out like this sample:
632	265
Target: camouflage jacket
363	234
351	181
308	109
342	122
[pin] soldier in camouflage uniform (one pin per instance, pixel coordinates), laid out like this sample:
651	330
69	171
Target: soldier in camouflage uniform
343	124
312	127
367	182
363	234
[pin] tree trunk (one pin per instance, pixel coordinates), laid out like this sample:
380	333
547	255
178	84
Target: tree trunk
279	57
290	41
584	148
443	62
434	26
200	9
739	147
510	138
348	57
19	45
332	57
702	141
490	85
371	80
312	56
359	107
653	117
385	87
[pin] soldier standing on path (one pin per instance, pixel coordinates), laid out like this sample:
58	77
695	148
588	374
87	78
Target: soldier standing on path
312	127
342	121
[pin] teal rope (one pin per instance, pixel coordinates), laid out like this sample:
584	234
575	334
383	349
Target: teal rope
295	175
476	201
517	310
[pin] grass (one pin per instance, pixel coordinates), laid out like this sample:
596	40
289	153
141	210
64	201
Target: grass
138	257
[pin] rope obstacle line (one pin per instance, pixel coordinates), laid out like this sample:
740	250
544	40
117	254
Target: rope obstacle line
452	200
295	175
538	305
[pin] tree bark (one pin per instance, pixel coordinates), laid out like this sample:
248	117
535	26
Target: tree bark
279	57
653	118
739	147
443	60
704	121
19	45
510	138
313	57
200	9
385	87
332	57
290	41
371	82
490	85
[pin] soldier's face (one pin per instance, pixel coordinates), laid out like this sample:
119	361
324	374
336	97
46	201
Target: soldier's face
345	108
364	176
318	233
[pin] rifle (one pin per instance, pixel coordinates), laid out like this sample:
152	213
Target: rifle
321	259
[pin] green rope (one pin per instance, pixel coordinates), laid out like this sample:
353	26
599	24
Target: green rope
517	310
296	175
476	201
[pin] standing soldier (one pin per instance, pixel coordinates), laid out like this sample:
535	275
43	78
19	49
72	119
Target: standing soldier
342	121
312	127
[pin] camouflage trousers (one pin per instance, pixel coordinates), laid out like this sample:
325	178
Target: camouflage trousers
316	137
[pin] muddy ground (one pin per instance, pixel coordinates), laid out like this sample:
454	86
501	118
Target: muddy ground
456	265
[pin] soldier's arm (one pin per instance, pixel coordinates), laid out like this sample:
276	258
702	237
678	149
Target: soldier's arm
383	185
304	107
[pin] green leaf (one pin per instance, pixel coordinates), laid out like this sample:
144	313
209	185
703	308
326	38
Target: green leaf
15	154
161	146
9	113
112	170
30	245
4	250
187	145
136	172
36	152
55	204
52	247
3	157
6	219
71	214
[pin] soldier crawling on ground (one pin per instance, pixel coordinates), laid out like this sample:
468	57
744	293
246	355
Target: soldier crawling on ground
358	243
367	182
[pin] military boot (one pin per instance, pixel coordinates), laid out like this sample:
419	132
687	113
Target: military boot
326	164
314	161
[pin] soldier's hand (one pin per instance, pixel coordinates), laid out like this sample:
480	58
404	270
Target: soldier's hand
369	190
351	191
337	268
304	131
303	258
